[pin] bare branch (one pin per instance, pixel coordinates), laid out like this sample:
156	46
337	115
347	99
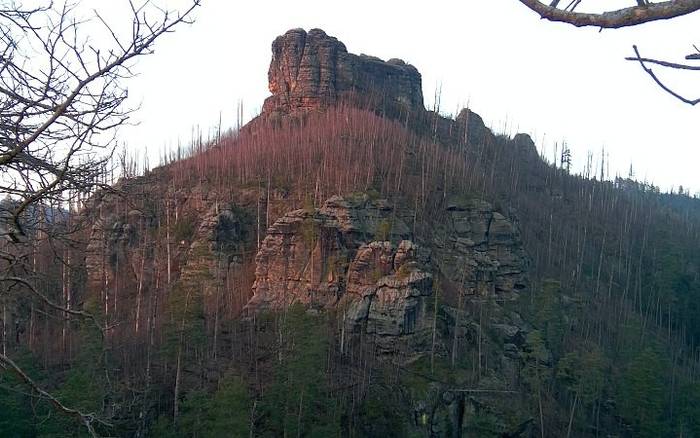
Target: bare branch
631	16
50	303
86	418
665	63
658	81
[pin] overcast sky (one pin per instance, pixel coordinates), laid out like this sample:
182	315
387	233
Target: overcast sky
554	81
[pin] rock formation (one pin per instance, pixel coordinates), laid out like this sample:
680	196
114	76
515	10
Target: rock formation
402	287
306	254
313	70
356	254
388	295
480	250
206	242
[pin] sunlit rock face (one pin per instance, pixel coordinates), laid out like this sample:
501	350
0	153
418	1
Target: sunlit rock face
311	70
313	256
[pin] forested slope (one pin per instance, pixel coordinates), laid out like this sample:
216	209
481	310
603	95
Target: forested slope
350	264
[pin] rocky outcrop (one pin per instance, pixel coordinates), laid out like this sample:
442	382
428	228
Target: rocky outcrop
480	251
311	70
200	244
388	295
214	251
113	235
356	254
353	254
471	129
306	254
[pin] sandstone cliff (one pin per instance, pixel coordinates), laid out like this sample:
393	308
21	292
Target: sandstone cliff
311	70
356	254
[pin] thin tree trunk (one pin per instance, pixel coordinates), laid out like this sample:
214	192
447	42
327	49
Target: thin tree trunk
301	401
342	332
432	348
167	235
178	370
176	401
64	328
481	311
539	399
216	305
571	417
4	329
151	320
140	287
600	265
454	338
252	419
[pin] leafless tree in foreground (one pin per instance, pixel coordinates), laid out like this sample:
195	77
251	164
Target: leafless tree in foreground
643	12
62	98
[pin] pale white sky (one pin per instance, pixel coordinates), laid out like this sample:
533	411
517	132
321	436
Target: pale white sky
553	81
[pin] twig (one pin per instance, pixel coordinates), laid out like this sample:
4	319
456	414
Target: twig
661	84
665	63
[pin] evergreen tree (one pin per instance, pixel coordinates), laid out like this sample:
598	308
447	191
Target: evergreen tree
16	414
298	403
642	393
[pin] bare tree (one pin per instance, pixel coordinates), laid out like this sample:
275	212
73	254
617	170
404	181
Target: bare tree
62	98
643	12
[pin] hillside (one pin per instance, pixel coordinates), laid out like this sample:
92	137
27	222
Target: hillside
352	264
